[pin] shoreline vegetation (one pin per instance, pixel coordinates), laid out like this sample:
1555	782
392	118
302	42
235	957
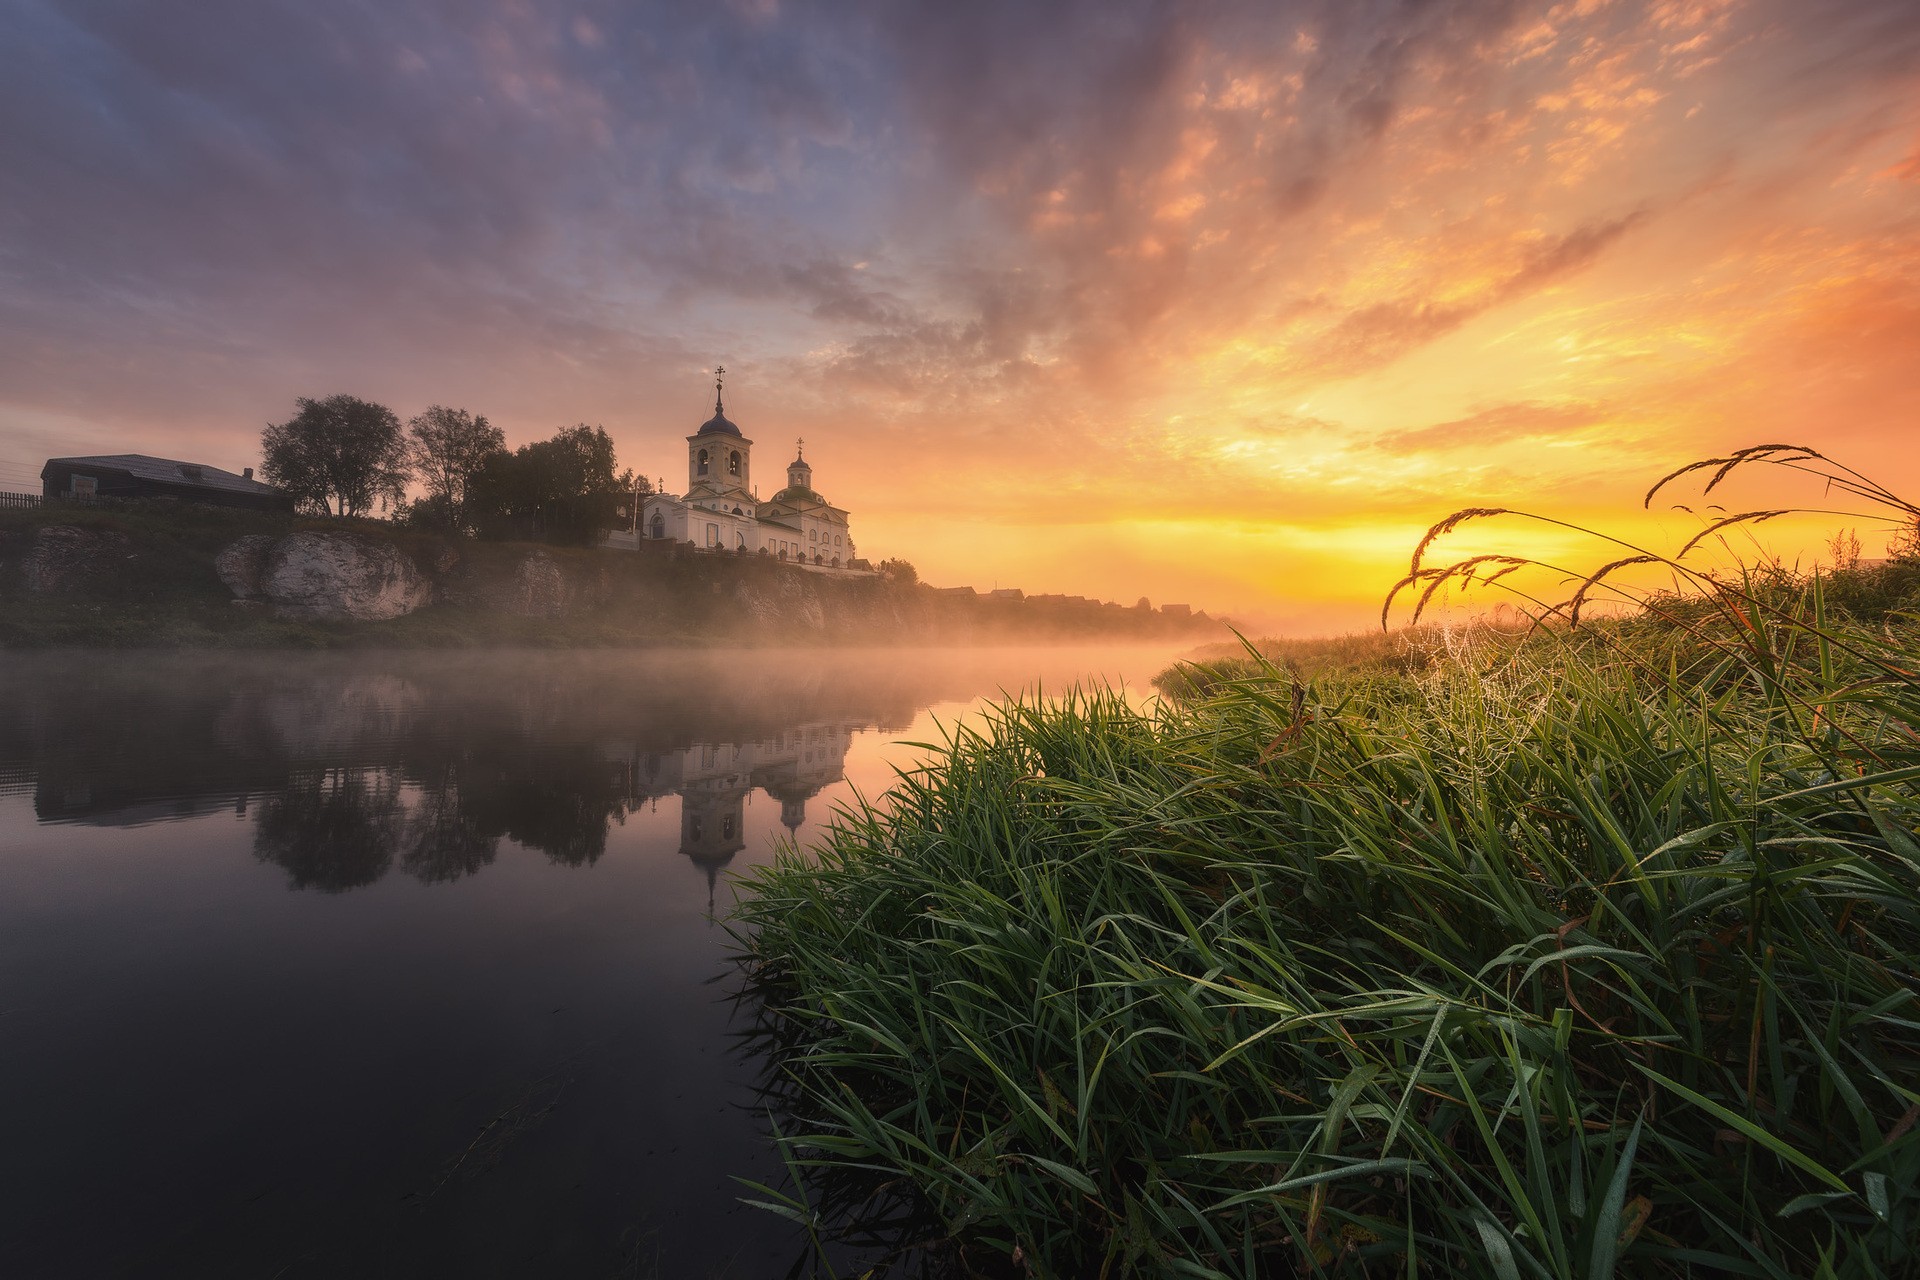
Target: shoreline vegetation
150	575
1547	951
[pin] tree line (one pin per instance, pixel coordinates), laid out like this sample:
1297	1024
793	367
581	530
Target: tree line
346	456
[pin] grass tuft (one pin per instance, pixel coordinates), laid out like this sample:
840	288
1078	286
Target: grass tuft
1555	952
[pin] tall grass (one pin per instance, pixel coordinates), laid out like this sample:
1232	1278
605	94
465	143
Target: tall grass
1594	953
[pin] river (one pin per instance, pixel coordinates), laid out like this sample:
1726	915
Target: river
409	964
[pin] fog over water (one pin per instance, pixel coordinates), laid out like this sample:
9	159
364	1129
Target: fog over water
394	964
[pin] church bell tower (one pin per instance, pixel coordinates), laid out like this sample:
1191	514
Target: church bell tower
719	457
799	474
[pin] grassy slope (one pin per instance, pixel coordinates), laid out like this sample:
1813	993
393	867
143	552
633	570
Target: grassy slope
1555	959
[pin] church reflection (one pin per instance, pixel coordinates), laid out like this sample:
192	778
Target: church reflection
338	828
347	777
715	780
351	768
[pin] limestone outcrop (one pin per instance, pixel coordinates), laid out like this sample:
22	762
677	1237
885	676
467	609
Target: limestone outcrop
63	558
791	602
242	565
540	589
532	584
325	576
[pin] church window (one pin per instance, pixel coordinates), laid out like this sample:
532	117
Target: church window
659	525
733	462
701	462
713	535
694	827
836	539
741	539
726	827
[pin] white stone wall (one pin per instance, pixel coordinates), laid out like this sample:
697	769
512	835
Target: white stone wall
707	520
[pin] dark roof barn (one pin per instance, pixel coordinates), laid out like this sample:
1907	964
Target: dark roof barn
136	475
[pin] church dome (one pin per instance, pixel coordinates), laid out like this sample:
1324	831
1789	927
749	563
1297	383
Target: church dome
718	425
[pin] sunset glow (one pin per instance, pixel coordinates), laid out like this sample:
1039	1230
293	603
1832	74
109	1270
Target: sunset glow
1216	303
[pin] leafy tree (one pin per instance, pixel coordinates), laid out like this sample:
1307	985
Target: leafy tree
448	449
898	571
564	489
339	455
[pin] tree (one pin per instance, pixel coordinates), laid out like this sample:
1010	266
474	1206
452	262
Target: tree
448	449
898	571
340	455
564	489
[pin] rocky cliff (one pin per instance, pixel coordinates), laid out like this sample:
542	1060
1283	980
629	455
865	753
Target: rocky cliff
324	576
110	579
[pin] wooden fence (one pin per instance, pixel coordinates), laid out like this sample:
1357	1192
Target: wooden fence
21	500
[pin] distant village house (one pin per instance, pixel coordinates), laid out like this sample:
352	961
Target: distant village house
135	475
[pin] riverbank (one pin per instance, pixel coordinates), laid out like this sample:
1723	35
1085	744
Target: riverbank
152	576
1567	954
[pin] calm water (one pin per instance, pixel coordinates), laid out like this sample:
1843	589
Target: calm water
405	964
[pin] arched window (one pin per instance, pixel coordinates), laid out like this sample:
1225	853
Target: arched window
701	462
659	525
726	827
733	463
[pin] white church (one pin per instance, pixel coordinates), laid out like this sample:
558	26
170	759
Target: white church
721	510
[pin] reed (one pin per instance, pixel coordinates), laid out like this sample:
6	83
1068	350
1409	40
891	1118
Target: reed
1587	953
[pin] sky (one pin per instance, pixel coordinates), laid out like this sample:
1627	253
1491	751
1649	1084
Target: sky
1221	303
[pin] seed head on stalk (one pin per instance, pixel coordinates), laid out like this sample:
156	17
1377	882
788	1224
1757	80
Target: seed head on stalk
1447	526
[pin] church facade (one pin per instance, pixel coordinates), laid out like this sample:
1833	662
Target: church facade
722	511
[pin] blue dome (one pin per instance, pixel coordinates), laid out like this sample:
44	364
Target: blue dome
718	425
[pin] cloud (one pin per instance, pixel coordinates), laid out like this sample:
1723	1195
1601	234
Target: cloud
1494	425
1103	245
1381	332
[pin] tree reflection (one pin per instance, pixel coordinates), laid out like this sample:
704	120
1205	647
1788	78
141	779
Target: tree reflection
558	800
331	829
351	764
445	839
